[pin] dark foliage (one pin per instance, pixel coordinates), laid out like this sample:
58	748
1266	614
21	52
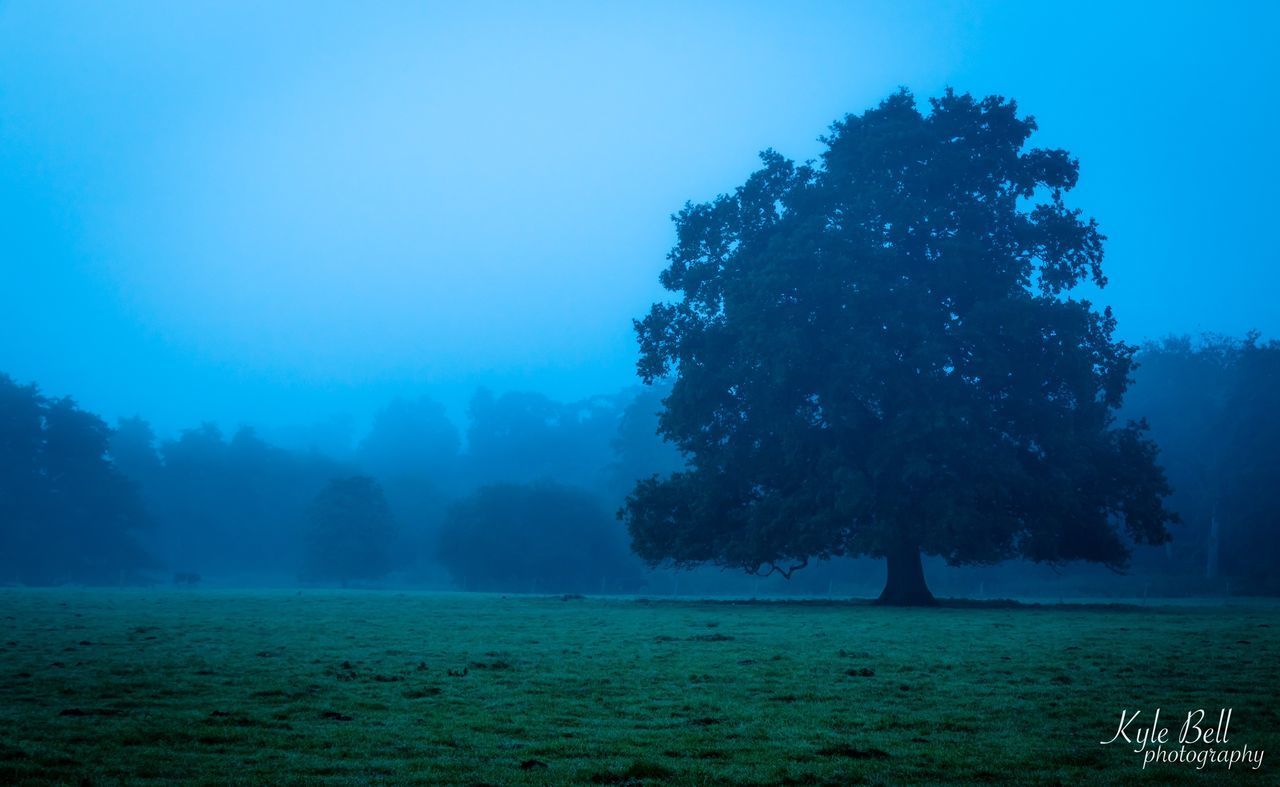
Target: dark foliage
877	354
1214	409
639	451
522	436
223	506
411	438
542	537
238	508
351	532
413	450
66	511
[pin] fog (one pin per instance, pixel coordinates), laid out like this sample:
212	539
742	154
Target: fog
410	241
216	212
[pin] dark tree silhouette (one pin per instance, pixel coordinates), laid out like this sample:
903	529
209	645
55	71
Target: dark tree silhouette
413	451
1214	408
224	507
21	475
352	532
876	354
66	512
536	537
133	449
638	450
522	436
411	438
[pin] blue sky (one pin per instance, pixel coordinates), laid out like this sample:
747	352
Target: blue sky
216	211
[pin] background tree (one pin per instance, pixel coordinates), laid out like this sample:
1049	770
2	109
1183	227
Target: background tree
413	451
1214	410
877	354
639	452
352	532
522	436
1250	549
1182	391
231	508
133	450
538	537
411	437
66	512
21	475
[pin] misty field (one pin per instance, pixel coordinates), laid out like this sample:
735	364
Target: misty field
222	686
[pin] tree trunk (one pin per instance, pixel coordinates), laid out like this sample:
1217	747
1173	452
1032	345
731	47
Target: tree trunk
905	586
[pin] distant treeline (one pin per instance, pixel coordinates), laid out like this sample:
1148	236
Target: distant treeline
1214	409
526	502
525	498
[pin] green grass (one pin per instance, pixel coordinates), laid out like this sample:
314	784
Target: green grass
268	686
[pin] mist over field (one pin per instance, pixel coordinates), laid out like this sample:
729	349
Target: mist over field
359	365
410	243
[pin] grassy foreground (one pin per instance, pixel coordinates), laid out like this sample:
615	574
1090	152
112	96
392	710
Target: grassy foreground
268	686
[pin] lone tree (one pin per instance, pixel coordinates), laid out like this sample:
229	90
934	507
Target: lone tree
352	532
876	354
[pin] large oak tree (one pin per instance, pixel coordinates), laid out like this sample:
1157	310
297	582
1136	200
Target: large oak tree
877	354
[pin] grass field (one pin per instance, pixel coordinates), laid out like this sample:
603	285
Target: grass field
267	686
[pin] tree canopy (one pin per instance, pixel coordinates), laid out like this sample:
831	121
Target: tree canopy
877	353
411	438
535	537
1214	408
352	532
66	511
521	436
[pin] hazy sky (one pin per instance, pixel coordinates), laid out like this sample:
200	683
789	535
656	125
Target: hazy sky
212	211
